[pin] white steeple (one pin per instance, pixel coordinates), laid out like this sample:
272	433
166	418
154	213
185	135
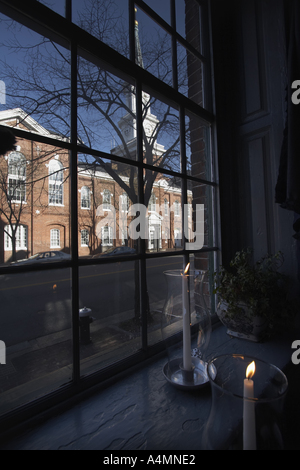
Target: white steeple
127	123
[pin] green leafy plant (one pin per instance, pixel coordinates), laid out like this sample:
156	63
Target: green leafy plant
260	286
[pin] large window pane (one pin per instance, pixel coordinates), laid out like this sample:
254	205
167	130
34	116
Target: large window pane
157	292
155	45
107	20
106	111
190	75
112	191
163	198
162	8
161	134
111	292
198	148
35	325
188	22
199	228
34	209
36	73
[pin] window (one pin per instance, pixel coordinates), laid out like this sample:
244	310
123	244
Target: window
166	207
17	177
85	198
55	238
124	203
106	200
152	203
107	236
84	237
90	119
56	186
20	237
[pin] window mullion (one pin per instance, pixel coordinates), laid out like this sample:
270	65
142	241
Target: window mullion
74	215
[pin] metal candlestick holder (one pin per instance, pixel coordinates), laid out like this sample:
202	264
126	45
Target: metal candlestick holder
186	328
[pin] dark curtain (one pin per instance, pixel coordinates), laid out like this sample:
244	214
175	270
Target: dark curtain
287	192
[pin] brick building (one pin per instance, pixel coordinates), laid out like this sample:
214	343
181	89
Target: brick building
35	201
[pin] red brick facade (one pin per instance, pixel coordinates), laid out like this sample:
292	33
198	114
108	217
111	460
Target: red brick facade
41	207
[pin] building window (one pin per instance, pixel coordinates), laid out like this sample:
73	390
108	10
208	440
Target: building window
85	237
177	209
107	236
17	177
85	198
106	200
166	206
124	203
56	183
152	203
129	134
20	237
55	238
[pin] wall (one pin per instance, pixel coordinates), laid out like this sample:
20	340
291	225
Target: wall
250	71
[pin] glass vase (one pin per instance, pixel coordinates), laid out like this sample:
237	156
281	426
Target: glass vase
237	420
186	328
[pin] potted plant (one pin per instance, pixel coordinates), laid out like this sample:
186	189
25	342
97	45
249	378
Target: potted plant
253	296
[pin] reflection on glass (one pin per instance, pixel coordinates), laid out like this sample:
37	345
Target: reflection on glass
157	292
198	148
200	225
190	75
110	294
161	134
106	111
37	334
188	21
161	8
36	72
107	191
106	20
34	201
163	198
155	44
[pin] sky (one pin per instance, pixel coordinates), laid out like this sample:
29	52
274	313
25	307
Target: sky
26	37
162	7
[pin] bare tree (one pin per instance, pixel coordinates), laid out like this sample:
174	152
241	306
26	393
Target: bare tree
106	103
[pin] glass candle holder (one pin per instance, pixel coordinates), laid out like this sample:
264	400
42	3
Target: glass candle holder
186	328
246	413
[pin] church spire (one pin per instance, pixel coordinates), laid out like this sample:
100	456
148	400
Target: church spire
138	49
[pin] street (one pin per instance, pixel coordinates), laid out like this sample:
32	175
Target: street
37	304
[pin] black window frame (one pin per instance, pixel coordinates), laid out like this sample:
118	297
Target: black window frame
41	19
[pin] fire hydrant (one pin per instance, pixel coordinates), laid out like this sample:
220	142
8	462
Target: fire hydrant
84	324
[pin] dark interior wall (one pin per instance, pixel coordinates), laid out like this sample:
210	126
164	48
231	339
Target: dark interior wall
249	43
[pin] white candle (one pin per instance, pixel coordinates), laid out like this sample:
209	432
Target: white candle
187	346
249	433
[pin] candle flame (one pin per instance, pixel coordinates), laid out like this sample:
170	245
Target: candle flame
250	370
187	268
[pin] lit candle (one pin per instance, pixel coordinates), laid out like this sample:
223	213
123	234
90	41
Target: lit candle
187	347
249	410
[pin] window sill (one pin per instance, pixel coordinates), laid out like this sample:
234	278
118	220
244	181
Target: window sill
144	411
